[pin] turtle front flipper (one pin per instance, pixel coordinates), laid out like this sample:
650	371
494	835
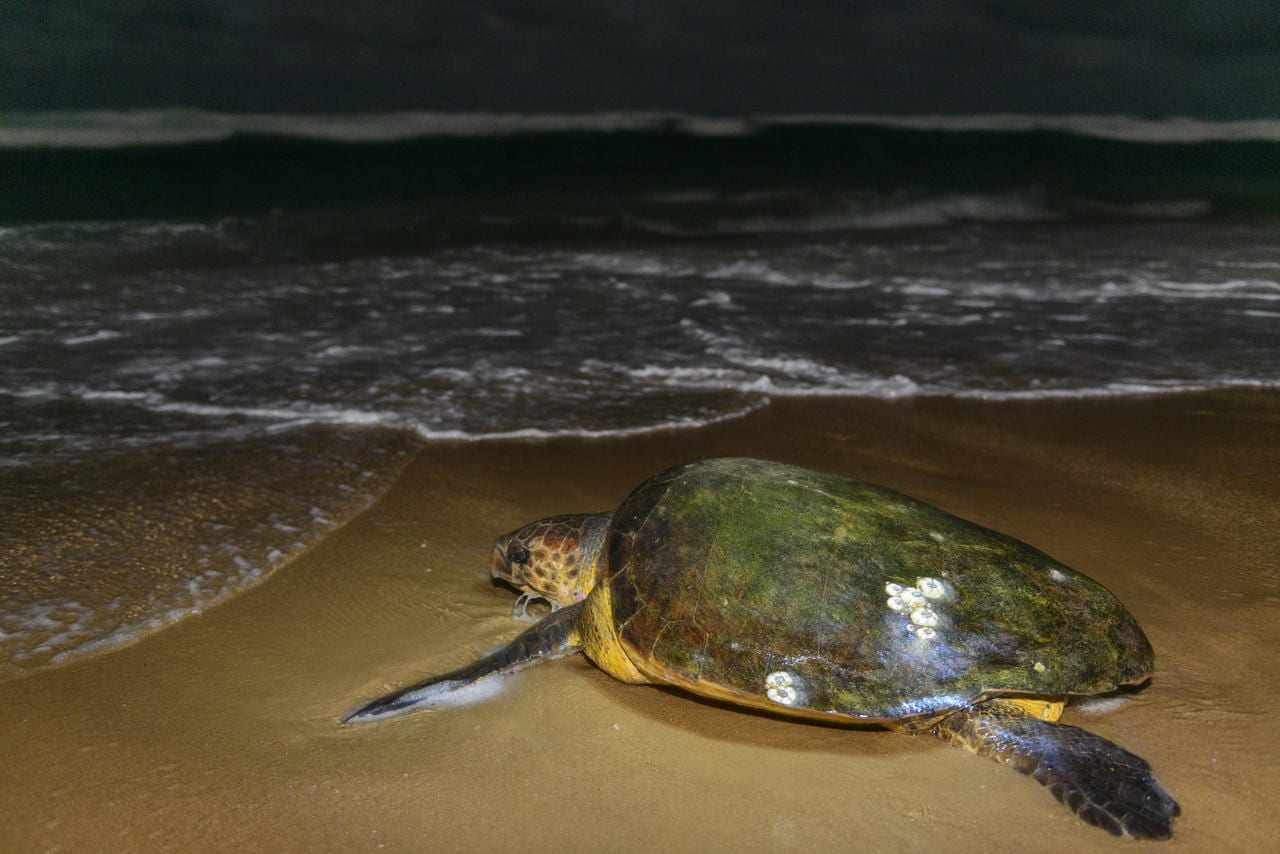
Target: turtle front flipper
1099	781
555	636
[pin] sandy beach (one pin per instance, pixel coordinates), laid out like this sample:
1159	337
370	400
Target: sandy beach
222	733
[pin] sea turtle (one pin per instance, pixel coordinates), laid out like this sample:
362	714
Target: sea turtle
828	598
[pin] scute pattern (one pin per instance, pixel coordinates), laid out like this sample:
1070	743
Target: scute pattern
726	571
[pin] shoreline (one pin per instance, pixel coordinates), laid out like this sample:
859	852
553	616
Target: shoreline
220	732
102	551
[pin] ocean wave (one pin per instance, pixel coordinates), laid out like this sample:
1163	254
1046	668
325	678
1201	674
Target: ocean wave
1250	289
616	337
91	337
793	212
866	211
1013	282
1150	209
120	128
555	177
1118	388
744	407
1176	129
749	385
300	412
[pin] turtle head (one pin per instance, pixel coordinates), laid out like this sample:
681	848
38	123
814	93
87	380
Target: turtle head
555	558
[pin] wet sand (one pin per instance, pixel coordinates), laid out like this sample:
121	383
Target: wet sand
221	733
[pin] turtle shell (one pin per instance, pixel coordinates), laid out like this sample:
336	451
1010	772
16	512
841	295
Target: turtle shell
819	594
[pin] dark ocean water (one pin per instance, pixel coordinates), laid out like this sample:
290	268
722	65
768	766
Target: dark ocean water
194	285
609	176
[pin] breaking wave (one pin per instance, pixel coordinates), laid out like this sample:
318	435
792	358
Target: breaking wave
116	128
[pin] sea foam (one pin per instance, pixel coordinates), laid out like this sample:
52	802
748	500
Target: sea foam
116	128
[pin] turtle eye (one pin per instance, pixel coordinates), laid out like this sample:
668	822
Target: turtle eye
517	554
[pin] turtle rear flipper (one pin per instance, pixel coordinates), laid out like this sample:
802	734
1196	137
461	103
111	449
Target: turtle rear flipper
554	636
1098	780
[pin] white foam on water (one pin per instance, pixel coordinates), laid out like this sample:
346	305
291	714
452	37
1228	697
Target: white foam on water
863	211
1251	289
662	425
534	342
114	128
297	412
67	629
1113	389
59	623
721	299
753	271
92	337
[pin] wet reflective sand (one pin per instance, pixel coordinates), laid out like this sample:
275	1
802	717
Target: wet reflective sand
221	732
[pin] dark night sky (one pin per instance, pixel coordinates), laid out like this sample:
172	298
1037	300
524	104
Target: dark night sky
1215	59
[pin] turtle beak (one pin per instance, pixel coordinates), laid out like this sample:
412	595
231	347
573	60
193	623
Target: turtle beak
499	566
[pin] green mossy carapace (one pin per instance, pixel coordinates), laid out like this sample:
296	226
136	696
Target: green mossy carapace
814	595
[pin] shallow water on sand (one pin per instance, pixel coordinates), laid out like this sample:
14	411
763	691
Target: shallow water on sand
103	552
152	346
